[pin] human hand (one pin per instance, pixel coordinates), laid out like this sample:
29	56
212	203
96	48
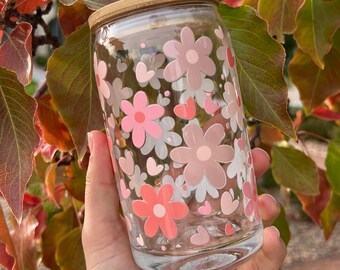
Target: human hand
105	238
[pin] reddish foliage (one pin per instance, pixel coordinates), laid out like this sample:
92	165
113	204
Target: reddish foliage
35	204
7	252
233	3
53	129
16	52
314	205
29	6
71	17
326	114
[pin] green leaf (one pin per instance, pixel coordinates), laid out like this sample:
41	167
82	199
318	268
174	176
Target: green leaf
315	84
317	22
282	224
260	61
18	139
70	254
70	79
330	216
280	15
333	165
57	228
76	183
293	169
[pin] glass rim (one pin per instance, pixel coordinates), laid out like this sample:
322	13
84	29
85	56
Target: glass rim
124	8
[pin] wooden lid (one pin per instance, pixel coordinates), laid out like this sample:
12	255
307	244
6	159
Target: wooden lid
123	7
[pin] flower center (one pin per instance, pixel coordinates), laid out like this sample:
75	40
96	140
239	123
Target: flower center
139	117
159	210
204	153
192	56
98	80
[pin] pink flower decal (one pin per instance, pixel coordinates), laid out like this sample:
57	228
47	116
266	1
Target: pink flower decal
233	110
203	155
251	209
100	70
191	57
140	118
159	211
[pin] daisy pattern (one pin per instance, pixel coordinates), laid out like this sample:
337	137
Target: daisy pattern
119	93
181	189
100	71
203	188
154	62
221	54
237	167
191	57
159	210
199	94
168	137
251	209
137	180
233	110
140	118
203	155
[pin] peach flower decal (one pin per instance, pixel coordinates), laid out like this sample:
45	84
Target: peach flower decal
159	211
140	118
100	70
191	57
203	155
251	209
233	110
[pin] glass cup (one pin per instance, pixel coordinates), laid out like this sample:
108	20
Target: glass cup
168	86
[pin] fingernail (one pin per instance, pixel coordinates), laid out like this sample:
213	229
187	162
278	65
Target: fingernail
277	231
90	141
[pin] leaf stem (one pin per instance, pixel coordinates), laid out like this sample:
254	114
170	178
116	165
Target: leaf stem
41	91
308	133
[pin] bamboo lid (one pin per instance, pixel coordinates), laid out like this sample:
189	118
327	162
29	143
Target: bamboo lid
124	7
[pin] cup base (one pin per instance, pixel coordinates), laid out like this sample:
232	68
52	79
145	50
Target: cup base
222	257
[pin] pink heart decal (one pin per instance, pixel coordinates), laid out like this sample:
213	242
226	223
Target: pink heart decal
228	205
152	167
210	106
140	240
200	238
186	111
125	192
229	229
241	143
231	58
127	164
142	73
206	209
219	33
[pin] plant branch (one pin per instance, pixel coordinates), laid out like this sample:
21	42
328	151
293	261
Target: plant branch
308	133
41	91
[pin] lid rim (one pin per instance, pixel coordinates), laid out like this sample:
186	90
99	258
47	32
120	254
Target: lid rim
124	7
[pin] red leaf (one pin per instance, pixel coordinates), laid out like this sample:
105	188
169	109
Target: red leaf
16	52
53	191
314	205
29	6
71	17
1	34
34	204
233	3
24	243
2	5
18	139
7	251
52	127
326	114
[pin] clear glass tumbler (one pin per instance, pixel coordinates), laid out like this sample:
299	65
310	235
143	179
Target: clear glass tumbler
172	106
